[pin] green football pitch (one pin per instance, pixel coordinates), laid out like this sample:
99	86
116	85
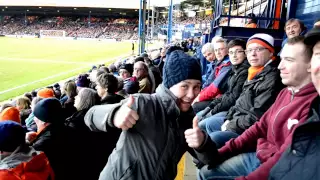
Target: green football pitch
27	64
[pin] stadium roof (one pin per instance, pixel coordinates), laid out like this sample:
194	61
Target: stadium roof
123	4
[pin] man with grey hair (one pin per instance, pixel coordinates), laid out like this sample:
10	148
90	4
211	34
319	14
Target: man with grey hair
216	82
208	53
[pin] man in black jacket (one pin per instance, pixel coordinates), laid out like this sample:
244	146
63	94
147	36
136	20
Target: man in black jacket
259	92
301	160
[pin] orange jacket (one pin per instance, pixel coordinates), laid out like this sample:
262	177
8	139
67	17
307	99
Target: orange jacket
251	25
38	168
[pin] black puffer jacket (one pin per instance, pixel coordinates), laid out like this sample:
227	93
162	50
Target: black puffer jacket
86	142
237	77
301	160
111	99
256	98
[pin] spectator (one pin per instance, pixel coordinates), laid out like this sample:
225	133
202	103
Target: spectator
45	93
169	114
155	57
163	53
140	71
218	78
107	85
23	105
19	161
83	101
82	81
236	80
252	22
130	84
28	95
271	136
125	71
10	113
113	69
57	91
155	72
70	89
304	146
30	120
34	93
293	28
208	53
52	136
139	59
86	141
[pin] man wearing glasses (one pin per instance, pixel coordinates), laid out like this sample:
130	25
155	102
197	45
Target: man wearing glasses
218	77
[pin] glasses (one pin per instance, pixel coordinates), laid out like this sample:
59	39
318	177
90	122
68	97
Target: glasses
237	52
220	49
259	49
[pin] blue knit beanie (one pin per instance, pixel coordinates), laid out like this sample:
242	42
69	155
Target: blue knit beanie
12	135
179	67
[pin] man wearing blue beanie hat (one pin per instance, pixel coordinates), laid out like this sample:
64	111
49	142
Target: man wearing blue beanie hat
153	126
17	159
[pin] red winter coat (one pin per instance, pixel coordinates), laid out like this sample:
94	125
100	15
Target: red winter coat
38	168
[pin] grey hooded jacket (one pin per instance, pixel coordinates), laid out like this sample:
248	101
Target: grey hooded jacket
154	146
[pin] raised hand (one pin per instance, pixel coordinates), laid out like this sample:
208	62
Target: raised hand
126	118
195	136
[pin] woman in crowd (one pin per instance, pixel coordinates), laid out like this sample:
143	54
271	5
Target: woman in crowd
70	90
23	105
107	85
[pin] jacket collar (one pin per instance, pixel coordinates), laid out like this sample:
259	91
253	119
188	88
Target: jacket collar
305	90
168	99
244	65
224	60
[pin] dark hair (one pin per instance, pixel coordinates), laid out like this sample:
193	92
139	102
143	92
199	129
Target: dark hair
104	69
112	68
237	42
300	39
138	59
302	26
34	93
28	95
108	81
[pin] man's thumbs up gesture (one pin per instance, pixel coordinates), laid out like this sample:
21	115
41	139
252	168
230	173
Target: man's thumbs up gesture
195	136
125	118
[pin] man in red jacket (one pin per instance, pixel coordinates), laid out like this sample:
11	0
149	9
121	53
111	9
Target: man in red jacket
255	152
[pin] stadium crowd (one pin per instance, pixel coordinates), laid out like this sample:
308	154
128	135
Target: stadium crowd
74	27
240	111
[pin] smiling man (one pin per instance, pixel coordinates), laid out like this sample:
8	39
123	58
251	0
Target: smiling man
305	146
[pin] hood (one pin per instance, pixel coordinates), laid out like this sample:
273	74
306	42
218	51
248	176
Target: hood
305	90
20	155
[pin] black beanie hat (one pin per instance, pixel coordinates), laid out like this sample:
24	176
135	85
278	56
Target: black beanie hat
48	110
128	67
179	67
